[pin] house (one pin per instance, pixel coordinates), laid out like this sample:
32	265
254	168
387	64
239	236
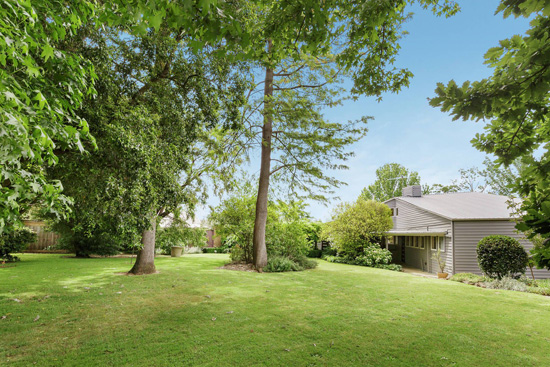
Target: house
454	223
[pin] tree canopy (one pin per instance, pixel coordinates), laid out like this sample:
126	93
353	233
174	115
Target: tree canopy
391	178
355	226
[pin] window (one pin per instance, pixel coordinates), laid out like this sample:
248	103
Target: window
396	212
407	241
416	242
423	242
392	212
438	243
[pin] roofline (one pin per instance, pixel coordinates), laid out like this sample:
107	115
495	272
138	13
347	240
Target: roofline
450	218
509	219
426	210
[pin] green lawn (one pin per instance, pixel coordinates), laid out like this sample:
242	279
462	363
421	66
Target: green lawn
193	314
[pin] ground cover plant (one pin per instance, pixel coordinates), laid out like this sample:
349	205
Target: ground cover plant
522	284
79	312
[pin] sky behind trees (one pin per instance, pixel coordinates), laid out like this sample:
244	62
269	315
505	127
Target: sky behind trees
405	128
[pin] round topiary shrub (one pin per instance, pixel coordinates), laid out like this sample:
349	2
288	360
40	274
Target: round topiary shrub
501	256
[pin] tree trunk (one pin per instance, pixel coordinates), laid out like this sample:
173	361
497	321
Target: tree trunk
259	248
145	261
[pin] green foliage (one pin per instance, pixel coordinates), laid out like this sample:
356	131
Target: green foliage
501	256
179	235
287	228
156	133
467	278
279	264
15	241
213	250
541	253
86	244
355	226
391	178
440	261
233	220
515	102
374	257
42	86
506	283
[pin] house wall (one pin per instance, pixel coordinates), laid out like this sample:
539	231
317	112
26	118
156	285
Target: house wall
413	218
468	234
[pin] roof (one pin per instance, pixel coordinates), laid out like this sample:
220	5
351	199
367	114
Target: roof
463	205
397	232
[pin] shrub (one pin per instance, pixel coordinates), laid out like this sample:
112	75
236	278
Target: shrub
212	250
467	278
355	226
501	256
316	253
506	283
14	242
392	267
277	264
304	262
372	257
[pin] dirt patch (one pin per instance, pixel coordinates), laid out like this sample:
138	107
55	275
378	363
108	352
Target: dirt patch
239	267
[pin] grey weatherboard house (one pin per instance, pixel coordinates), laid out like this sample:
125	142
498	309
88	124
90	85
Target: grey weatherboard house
454	223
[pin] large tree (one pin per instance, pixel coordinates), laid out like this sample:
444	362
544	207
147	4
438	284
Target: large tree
305	48
391	178
155	101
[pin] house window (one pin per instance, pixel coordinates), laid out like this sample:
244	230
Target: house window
396	212
423	241
438	243
417	241
392	212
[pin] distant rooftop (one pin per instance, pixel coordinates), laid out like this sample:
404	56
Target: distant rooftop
463	205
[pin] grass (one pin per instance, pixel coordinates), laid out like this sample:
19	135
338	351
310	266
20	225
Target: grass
193	314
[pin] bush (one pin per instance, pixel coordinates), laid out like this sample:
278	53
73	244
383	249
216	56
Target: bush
392	267
304	262
279	264
355	226
467	278
501	256
506	283
315	253
212	250
179	235
373	256
14	242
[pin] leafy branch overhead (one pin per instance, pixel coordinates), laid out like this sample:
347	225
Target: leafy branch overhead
515	102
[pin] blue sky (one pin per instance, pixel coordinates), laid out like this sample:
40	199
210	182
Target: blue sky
405	128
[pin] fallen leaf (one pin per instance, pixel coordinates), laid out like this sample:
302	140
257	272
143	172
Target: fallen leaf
287	350
118	292
213	319
314	344
87	288
207	296
4	317
229	312
36	318
17	300
251	330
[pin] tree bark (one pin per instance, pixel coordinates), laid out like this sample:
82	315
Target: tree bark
259	247
145	260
